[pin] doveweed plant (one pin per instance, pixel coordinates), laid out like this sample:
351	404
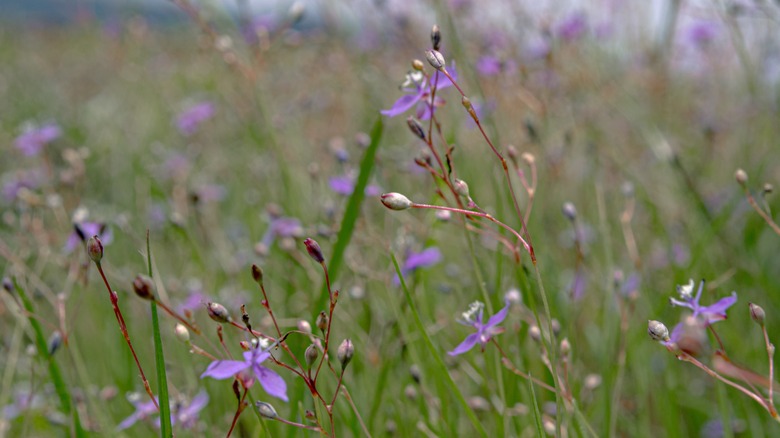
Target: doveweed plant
282	257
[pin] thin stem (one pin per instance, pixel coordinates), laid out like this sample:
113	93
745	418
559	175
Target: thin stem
355	410
239	410
123	328
770	350
760	211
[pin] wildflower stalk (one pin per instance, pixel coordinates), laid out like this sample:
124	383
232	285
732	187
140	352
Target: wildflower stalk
770	351
435	355
166	429
122	326
752	201
60	387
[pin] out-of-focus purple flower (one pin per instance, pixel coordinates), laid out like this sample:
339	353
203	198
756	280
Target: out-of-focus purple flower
143	410
190	119
416	260
345	185
572	27
23	401
22	179
261	25
84	230
536	49
680	254
280	227
271	382
710	314
207	193
177	166
488	65
186	415
578	285
34	138
419	93
195	299
630	285
701	34
473	317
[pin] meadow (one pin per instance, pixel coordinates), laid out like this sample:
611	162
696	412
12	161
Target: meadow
271	238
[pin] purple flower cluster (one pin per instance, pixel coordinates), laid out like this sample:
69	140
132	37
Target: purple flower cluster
33	139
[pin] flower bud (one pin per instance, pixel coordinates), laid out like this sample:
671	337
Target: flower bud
322	321
95	249
266	410
218	313
418	65
565	347
416	128
304	326
741	177
257	274
570	211
436	37
435	59
143	287
757	313
535	333
529	158
345	352
657	330
313	248
8	285
311	354
181	332
461	188
768	188
395	201
55	342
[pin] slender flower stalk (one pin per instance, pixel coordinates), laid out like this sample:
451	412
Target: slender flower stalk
95	252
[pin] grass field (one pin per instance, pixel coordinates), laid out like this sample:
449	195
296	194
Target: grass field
232	151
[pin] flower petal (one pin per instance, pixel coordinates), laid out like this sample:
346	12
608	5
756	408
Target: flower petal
717	312
272	383
466	345
222	369
499	317
402	105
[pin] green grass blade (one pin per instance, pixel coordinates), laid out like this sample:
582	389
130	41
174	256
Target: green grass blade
352	210
435	354
60	387
537	413
166	429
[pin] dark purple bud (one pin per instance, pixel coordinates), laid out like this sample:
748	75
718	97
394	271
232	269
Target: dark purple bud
257	274
143	287
95	249
416	128
314	250
436	37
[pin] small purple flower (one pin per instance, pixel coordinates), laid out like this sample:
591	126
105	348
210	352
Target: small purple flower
271	382
572	27
415	260
712	313
345	185
474	318
143	410
190	119
536	49
419	93
702	33
186	415
84	230
33	139
280	227
488	65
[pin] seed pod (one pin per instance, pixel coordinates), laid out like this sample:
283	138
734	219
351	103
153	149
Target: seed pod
95	249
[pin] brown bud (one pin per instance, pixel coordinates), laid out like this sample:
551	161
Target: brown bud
95	249
416	128
418	65
257	274
436	37
322	321
218	313
143	287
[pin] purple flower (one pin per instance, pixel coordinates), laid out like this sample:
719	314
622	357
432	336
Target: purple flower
419	93
271	382
702	33
712	313
474	318
280	226
415	260
33	139
22	179
572	27
345	185
189	119
578	285
143	410
488	65
84	230
187	414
